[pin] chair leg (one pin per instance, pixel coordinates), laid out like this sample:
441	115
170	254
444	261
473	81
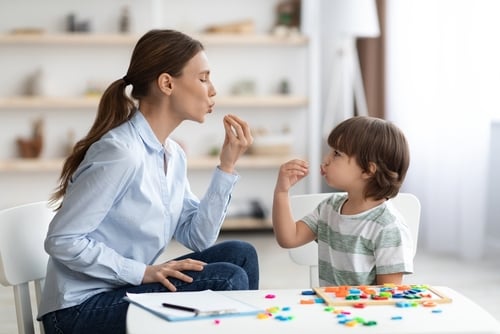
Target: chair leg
23	309
313	276
38	294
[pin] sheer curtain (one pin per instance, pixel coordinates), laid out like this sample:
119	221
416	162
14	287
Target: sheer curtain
442	88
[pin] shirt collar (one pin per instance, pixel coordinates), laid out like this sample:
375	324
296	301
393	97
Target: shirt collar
147	135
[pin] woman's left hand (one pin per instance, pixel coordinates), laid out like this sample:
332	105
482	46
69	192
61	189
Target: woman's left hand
237	140
173	269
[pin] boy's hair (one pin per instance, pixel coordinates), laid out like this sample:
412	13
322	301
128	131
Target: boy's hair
374	140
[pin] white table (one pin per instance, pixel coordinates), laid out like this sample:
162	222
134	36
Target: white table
460	316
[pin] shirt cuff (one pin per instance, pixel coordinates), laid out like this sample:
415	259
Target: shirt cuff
132	272
226	179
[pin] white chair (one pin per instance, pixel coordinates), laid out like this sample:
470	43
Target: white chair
23	259
407	204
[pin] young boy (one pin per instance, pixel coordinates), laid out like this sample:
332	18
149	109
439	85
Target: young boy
362	239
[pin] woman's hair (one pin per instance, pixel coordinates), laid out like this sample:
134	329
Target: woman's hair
377	141
157	52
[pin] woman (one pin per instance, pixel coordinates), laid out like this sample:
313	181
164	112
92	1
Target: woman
124	194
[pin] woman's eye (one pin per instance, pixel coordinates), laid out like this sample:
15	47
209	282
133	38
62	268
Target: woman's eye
205	77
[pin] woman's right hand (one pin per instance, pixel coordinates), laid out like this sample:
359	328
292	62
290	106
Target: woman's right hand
161	272
237	140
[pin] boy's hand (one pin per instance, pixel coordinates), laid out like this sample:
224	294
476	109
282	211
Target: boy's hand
290	173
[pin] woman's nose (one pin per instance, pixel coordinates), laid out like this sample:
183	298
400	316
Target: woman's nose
212	91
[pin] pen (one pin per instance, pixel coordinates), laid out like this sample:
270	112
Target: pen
180	307
197	311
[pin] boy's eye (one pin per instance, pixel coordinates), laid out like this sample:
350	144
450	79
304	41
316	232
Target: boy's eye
336	153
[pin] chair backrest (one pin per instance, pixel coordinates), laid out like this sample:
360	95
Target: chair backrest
22	256
407	204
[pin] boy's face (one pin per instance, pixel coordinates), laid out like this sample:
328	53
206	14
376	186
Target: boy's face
342	171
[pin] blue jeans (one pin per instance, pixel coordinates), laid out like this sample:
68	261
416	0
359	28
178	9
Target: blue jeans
231	265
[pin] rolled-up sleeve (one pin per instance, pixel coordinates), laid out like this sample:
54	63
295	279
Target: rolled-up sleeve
201	221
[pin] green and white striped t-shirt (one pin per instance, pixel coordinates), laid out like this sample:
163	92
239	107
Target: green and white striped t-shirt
353	249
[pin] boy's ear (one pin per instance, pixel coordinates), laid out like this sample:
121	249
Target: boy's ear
165	83
372	169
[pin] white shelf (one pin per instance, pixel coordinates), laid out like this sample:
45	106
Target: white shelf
94	57
87	39
274	101
67	39
250	39
31	165
271	101
195	163
25	102
247	161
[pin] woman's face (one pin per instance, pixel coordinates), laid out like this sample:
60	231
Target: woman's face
193	92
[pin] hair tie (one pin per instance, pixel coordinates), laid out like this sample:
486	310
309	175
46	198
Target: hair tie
125	79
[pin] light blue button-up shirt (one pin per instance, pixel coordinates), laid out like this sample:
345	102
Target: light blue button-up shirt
120	211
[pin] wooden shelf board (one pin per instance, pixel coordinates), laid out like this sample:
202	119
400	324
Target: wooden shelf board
68	39
261	101
250	39
194	163
234	224
40	102
30	165
131	39
247	161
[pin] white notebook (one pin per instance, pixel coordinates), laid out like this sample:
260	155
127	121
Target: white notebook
191	305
